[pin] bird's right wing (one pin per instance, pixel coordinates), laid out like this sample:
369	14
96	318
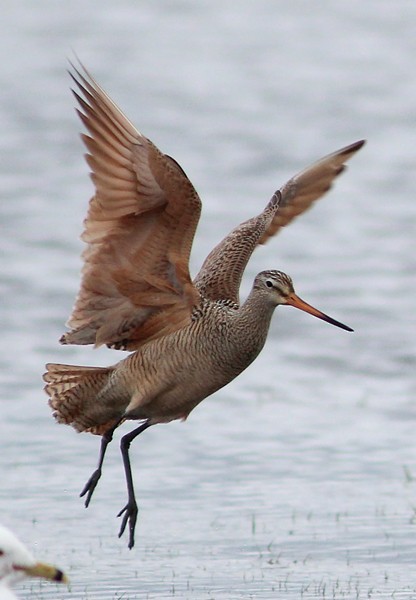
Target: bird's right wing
139	231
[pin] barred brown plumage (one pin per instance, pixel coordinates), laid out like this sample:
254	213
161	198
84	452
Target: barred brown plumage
189	338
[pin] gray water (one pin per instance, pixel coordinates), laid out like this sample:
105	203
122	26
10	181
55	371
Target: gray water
298	479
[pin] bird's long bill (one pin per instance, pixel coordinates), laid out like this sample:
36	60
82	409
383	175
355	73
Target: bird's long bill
44	571
297	302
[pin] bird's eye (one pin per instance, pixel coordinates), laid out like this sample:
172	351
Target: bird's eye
269	283
1	552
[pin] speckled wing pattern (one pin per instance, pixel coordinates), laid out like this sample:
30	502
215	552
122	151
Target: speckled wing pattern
139	231
222	271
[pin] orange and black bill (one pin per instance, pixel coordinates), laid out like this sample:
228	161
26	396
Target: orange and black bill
297	302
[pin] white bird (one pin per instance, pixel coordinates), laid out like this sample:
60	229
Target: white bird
16	563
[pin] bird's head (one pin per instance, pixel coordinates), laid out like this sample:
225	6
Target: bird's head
278	288
16	562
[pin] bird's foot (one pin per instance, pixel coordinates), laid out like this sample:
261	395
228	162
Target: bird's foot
90	486
130	516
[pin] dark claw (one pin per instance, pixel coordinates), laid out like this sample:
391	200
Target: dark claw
90	486
130	516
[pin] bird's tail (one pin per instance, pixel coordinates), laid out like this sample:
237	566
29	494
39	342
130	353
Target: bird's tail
73	395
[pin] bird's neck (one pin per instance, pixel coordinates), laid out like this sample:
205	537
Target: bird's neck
255	316
259	305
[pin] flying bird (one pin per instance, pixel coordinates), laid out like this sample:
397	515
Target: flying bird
187	338
16	563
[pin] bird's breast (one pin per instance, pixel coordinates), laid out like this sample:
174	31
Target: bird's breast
174	373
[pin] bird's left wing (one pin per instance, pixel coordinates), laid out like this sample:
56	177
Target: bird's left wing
299	193
222	271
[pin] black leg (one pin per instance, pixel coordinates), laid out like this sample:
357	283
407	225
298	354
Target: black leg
130	510
91	484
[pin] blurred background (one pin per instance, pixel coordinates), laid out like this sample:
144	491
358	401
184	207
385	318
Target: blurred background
298	479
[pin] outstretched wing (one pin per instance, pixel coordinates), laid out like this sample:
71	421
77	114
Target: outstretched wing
303	189
139	231
221	273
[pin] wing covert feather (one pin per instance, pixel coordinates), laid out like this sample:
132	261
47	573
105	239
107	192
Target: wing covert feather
221	273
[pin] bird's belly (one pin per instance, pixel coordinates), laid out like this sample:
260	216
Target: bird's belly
175	379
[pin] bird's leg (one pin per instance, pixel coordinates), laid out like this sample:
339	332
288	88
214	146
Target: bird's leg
91	484
130	510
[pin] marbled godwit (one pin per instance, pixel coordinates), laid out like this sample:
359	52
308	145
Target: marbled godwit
16	563
190	338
